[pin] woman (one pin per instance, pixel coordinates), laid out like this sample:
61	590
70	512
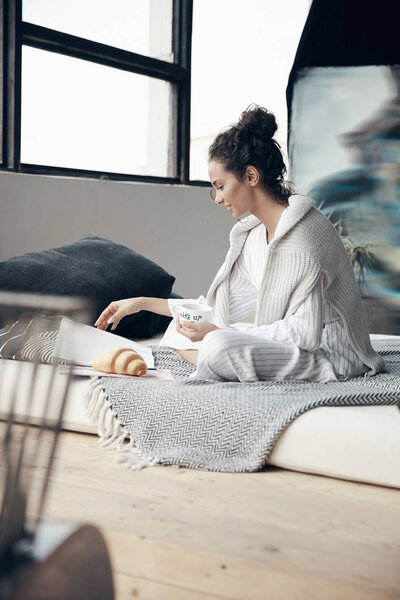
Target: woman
286	261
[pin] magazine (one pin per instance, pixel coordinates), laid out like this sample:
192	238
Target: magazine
81	344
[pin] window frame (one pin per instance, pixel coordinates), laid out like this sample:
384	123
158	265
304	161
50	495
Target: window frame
17	33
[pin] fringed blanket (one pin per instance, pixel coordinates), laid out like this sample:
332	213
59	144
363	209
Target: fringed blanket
219	426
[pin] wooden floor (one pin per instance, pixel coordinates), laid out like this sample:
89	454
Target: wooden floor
184	535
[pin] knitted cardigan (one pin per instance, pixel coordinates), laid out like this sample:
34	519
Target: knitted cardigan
305	245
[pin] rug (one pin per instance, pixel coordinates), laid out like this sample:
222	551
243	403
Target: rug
219	426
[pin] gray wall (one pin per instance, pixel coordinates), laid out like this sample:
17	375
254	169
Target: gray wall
178	227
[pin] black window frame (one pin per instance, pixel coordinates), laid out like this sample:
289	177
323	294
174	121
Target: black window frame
17	33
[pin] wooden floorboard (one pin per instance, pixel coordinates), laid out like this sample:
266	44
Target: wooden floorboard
186	534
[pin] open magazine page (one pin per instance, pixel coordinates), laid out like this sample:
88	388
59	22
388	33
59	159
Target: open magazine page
81	344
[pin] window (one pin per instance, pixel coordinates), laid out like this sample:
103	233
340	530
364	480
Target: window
123	90
81	115
97	88
141	26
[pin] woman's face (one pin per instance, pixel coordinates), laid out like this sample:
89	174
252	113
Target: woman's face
230	192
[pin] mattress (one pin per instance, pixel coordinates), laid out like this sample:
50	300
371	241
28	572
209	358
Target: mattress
358	443
29	404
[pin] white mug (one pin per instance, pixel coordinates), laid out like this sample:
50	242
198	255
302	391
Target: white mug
196	312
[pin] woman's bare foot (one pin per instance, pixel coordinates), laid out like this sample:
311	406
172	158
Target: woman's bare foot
189	355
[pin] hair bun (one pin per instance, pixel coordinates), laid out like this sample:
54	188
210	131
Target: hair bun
257	121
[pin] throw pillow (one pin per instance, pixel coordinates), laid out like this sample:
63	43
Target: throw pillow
97	268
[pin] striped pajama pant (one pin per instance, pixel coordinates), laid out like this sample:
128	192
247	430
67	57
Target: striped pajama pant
230	355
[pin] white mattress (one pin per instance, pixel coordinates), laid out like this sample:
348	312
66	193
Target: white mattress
359	443
30	406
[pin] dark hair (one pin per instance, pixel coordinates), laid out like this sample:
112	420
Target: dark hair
250	142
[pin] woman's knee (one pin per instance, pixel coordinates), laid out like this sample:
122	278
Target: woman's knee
214	351
210	352
216	342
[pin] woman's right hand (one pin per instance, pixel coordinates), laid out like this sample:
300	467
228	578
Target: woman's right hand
117	310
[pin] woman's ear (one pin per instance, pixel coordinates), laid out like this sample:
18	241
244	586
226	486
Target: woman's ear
252	176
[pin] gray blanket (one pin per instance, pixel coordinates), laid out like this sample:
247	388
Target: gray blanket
226	426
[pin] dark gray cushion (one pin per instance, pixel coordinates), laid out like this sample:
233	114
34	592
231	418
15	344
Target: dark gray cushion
98	269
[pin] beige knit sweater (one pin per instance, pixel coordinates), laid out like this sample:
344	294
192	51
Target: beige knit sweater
306	245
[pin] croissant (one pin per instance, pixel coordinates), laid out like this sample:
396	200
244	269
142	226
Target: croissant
123	361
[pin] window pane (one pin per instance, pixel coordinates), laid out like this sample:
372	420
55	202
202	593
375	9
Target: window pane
141	26
83	115
242	55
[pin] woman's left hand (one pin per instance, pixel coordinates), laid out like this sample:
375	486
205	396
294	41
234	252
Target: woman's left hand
195	332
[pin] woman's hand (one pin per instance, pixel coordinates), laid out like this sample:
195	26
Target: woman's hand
195	332
117	310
